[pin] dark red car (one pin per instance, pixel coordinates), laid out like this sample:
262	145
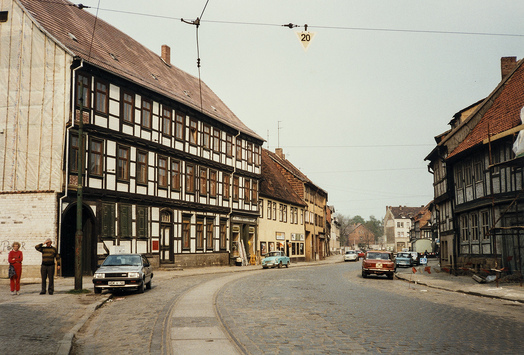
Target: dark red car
378	262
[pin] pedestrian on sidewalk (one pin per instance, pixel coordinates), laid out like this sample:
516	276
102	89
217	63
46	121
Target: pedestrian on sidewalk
15	258
47	270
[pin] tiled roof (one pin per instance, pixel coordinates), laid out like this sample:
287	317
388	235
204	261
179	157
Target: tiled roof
116	52
404	212
286	164
503	115
274	185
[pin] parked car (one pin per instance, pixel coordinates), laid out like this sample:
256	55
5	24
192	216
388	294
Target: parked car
275	259
404	259
360	253
378	263
351	255
123	271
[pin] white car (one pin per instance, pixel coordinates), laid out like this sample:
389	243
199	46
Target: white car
123	271
351	255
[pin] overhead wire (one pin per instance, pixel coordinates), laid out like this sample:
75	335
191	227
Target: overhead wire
197	24
291	25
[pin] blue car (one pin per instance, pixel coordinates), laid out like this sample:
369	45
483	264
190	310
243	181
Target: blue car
275	259
404	259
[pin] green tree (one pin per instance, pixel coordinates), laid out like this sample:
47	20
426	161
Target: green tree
347	223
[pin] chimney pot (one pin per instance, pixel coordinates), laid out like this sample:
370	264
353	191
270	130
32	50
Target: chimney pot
280	153
507	64
166	54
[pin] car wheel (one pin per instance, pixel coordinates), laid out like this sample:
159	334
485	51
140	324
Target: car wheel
364	274
97	290
280	265
148	285
264	267
390	276
141	287
287	264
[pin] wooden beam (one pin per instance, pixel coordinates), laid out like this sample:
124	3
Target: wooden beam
504	134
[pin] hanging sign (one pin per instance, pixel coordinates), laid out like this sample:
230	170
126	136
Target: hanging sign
305	38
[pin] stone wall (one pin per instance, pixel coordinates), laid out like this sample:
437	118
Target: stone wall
28	218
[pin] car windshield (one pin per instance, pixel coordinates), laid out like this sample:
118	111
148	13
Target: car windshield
274	253
378	256
403	255
119	260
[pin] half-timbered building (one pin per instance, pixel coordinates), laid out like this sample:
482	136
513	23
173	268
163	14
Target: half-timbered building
164	166
484	179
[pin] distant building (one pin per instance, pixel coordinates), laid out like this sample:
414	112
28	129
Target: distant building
360	237
281	221
315	199
397	225
334	234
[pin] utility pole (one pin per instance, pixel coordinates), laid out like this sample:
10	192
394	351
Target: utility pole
278	134
79	193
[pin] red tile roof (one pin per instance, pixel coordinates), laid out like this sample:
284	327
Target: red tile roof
116	52
274	185
503	115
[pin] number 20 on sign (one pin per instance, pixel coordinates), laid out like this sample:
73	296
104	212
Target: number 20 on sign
305	38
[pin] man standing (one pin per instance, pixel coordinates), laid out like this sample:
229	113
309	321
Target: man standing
47	270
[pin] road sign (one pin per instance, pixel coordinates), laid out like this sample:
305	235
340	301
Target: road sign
305	38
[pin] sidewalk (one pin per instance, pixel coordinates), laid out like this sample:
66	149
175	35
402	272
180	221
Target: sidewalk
463	284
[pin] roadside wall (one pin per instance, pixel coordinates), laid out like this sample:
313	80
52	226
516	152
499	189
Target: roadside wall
27	218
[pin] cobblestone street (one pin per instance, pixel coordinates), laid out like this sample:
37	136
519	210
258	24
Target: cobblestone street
323	307
302	311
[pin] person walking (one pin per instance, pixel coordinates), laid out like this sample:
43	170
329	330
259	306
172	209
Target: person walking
47	270
15	258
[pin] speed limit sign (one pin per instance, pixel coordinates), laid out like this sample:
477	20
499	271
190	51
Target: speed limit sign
305	38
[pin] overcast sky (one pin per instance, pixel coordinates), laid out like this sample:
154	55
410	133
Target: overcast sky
358	111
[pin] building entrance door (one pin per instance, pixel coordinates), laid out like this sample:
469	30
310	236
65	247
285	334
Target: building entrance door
67	243
166	239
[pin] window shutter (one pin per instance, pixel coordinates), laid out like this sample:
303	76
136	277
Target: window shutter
141	222
108	220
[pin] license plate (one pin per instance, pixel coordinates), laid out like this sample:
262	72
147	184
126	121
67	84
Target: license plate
116	283
379	266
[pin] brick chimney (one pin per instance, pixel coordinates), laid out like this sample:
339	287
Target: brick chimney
166	54
280	153
507	64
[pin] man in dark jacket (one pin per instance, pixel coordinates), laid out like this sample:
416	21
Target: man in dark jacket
47	270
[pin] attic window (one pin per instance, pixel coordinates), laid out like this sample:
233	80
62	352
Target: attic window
72	36
214	108
113	56
154	76
187	93
3	16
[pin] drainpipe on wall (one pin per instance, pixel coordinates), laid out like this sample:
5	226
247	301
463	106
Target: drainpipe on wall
66	140
231	193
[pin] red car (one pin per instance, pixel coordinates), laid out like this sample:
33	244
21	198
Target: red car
379	263
360	253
